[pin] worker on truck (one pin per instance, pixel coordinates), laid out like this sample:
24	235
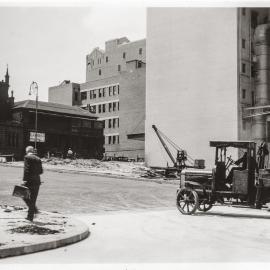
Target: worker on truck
243	161
262	153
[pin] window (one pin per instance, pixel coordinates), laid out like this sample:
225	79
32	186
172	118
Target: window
103	92
114	121
118	139
83	95
110	107
254	19
99	108
114	90
92	109
99	93
110	91
243	68
114	139
118	89
253	71
91	94
244	125
99	72
118	122
109	139
252	98
124	55
119	67
17	140
118	106
139	64
76	96
243	93
243	11
114	106
104	108
110	123
140	51
103	122
107	59
243	43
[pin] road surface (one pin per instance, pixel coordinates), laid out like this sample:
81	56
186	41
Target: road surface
71	193
137	222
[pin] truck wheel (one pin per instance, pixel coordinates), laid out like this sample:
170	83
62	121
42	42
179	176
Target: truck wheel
205	206
187	201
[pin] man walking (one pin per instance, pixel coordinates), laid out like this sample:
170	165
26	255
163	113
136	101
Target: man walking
31	178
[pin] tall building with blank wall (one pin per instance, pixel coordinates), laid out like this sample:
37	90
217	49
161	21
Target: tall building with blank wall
210	80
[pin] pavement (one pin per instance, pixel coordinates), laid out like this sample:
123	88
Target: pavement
48	231
224	234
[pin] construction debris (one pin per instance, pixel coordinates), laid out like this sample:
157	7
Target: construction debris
133	169
34	229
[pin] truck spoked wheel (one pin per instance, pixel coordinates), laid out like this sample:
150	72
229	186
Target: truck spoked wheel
187	201
205	206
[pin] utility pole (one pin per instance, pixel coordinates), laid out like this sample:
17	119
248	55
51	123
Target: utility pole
34	88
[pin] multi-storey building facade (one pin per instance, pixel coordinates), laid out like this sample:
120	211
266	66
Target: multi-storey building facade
217	79
251	80
115	91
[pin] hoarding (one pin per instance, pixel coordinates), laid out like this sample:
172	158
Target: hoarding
40	137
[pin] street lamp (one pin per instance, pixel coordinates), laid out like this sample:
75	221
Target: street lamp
34	90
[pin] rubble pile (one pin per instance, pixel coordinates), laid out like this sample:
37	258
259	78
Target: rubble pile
34	229
133	169
10	208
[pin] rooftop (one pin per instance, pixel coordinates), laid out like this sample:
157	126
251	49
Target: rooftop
54	107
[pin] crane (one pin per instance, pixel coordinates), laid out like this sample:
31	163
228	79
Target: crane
182	158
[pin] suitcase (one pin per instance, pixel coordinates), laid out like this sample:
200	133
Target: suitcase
21	191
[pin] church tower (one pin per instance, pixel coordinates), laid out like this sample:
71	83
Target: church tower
5	101
7	77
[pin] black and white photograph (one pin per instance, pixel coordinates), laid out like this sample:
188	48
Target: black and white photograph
134	135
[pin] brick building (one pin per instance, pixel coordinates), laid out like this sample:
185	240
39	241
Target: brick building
115	91
62	126
10	130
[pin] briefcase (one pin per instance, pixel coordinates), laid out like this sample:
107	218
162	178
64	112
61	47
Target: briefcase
21	191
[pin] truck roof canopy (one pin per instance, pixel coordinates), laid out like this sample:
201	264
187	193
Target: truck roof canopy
236	144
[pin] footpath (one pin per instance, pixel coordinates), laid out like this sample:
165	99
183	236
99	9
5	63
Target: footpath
48	230
112	169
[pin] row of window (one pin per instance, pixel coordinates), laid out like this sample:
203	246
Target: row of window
112	139
107	58
111	123
139	65
106	107
102	92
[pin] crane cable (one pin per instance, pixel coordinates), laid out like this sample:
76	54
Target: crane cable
175	146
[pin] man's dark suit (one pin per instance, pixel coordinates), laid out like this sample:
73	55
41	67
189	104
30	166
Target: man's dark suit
31	177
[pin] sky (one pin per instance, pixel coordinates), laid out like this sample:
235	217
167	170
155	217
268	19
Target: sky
49	44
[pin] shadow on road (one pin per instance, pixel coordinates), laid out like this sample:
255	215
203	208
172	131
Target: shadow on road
233	215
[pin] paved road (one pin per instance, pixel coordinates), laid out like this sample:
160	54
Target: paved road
80	194
137	222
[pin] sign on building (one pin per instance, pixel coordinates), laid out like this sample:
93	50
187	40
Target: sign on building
40	137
